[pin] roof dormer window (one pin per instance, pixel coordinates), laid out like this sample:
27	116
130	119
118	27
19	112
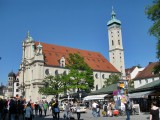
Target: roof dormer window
62	62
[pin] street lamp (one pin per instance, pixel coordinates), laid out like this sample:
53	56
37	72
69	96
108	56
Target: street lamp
80	95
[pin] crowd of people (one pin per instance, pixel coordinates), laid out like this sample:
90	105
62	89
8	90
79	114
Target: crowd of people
109	110
19	109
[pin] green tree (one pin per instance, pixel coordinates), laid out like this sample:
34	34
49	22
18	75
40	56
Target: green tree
131	83
153	13
113	79
53	85
81	75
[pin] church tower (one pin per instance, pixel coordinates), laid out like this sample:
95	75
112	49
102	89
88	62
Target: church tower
116	52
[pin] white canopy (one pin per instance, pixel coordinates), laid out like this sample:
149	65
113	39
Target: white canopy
95	97
140	94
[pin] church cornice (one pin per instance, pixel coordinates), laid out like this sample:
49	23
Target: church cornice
116	49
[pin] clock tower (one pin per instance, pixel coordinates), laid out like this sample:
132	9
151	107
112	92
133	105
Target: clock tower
116	52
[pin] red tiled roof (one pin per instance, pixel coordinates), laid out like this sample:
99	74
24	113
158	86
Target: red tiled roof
53	53
147	72
129	70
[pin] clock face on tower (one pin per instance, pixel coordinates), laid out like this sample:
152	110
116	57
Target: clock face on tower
47	71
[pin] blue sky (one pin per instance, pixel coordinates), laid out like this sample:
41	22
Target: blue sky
74	23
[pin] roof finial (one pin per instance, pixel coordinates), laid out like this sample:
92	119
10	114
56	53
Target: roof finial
29	36
113	13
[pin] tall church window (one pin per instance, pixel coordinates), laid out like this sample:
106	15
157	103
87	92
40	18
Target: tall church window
112	42
118	42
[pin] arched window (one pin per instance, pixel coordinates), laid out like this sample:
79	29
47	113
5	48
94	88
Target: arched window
64	73
56	72
96	75
103	76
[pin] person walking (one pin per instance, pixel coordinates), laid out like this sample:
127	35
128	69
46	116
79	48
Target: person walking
12	109
128	108
78	110
154	112
28	112
36	106
105	109
94	109
56	110
66	110
45	106
40	108
1	107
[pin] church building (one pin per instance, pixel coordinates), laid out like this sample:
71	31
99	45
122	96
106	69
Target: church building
42	59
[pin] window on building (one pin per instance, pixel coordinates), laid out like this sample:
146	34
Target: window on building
62	62
140	81
118	42
17	90
152	79
65	73
17	84
56	72
146	80
96	87
112	42
47	71
96	75
103	76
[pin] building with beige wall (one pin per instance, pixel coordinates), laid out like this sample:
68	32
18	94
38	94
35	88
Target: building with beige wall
41	59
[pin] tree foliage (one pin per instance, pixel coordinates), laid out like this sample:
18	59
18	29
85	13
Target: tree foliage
80	73
153	13
113	79
131	83
53	85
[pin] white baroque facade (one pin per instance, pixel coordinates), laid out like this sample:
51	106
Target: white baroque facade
41	59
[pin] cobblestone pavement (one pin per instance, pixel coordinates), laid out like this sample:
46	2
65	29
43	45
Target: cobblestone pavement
88	116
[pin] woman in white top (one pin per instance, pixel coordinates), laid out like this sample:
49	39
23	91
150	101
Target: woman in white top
78	110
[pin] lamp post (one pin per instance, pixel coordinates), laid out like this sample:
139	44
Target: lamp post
80	95
68	97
